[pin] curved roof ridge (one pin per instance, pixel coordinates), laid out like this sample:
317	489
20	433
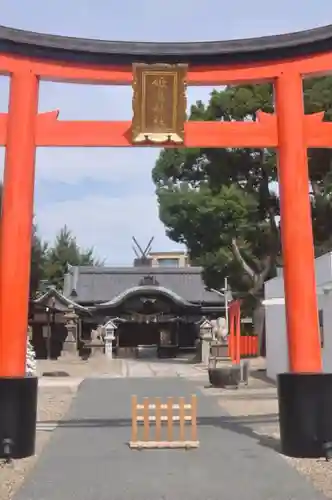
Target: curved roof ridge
141	289
54	292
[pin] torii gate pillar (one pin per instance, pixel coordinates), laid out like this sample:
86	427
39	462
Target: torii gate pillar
296	228
305	406
18	393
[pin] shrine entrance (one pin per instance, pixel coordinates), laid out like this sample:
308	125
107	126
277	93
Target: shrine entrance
159	88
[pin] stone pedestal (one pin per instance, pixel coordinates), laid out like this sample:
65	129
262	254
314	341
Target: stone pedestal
219	349
97	351
109	346
69	348
96	344
205	352
205	348
70	344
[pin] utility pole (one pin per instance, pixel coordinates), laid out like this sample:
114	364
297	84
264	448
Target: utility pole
226	303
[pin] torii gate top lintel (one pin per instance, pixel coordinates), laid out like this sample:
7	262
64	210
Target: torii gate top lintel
262	52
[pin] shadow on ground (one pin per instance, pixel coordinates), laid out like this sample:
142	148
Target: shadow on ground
185	360
262	376
240	425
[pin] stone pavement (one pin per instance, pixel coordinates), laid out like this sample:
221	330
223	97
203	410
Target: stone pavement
88	458
77	369
161	368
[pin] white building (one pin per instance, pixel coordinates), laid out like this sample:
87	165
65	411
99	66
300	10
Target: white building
275	318
178	258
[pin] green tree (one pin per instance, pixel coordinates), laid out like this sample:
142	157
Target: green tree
318	98
38	259
38	251
64	251
223	203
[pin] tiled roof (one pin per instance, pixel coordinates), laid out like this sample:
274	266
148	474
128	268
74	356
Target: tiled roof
61	302
102	284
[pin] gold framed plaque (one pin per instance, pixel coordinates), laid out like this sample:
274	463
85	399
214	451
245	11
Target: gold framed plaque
159	103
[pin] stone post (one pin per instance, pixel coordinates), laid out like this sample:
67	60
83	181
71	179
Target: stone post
110	328
206	338
70	343
109	337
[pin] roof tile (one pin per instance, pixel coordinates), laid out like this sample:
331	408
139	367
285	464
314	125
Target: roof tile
101	284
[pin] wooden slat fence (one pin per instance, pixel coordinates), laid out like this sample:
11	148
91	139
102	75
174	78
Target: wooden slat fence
153	423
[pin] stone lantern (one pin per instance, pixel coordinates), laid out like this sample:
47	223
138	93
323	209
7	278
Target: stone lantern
109	328
205	330
206	335
71	324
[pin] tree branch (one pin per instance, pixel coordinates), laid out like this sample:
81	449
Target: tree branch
241	260
271	216
257	279
260	279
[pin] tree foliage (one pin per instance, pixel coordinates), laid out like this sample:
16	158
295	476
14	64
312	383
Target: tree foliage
223	203
64	251
318	98
38	251
38	261
218	202
50	263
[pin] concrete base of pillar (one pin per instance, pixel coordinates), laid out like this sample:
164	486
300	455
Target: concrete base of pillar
305	414
18	416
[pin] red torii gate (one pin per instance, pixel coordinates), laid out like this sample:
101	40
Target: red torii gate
235	331
284	60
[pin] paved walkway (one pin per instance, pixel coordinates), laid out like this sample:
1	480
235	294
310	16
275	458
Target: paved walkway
103	368
88	458
161	368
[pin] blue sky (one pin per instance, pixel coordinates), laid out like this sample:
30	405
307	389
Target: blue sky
106	195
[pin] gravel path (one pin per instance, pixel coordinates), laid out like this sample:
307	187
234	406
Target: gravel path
96	366
53	403
55	395
88	457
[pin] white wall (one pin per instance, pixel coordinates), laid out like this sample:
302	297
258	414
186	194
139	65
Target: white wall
275	321
275	318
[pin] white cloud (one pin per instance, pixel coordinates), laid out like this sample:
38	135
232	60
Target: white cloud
72	165
108	224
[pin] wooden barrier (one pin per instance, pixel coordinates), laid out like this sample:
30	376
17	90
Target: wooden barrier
248	346
163	416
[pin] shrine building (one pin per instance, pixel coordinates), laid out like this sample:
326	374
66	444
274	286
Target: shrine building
156	305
